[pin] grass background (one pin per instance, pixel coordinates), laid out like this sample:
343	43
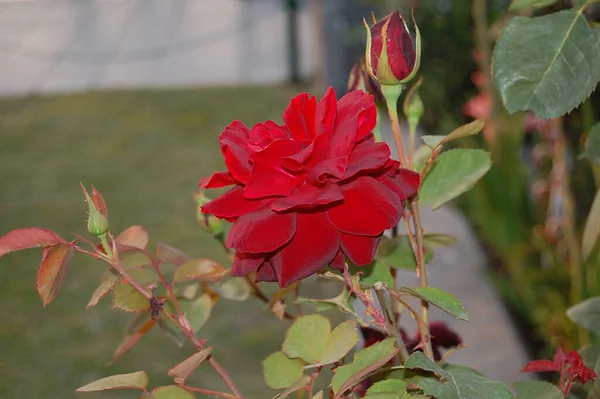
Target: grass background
145	151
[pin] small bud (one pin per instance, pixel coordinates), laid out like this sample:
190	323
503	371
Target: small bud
360	79
392	57
209	222
97	223
413	106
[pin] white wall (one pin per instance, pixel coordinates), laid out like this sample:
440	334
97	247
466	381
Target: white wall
64	45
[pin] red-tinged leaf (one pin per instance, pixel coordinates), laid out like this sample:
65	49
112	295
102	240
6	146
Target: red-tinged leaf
137	329
183	370
540	366
29	237
137	380
99	202
168	254
134	236
53	270
107	282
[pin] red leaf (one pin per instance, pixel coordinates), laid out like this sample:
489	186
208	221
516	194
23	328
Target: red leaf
99	202
29	237
53	270
134	236
540	366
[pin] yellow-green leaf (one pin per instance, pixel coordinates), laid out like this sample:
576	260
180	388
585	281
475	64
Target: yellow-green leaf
127	298
107	282
182	371
307	338
171	392
280	371
137	380
201	270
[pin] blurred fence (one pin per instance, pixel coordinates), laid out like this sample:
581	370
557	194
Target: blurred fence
64	45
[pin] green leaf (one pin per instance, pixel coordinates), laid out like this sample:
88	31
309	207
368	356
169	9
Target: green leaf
137	380
590	355
537	390
297	385
280	371
127	298
307	338
372	273
592	145
201	270
107	282
171	392
319	395
548	65
388	395
344	302
471	385
341	341
586	314
470	129
518	5
389	385
235	289
364	363
143	276
198	311
56	260
397	253
591	231
135	259
182	371
453	172
420	157
439	240
419	361
440	299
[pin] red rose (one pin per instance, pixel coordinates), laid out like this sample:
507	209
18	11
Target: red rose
392	57
309	191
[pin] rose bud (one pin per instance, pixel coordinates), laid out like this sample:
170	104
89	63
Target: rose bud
360	79
392	57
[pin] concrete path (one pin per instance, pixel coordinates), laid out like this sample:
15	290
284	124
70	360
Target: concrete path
494	346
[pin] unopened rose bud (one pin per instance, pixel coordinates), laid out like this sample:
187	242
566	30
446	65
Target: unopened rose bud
392	57
97	223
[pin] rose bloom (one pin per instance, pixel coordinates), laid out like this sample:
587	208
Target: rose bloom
310	192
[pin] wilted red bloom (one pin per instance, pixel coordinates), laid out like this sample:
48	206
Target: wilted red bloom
309	191
571	367
392	57
360	79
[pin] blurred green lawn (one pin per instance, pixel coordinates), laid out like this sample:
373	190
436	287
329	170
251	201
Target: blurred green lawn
145	151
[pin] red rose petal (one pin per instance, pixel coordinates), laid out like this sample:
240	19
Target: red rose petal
404	183
266	273
217	180
331	167
245	263
263	135
359	249
268	177
367	156
233	147
324	122
338	262
315	244
308	197
299	116
369	208
232	204
357	112
261	231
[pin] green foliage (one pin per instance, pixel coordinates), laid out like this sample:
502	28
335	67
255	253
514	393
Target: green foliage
171	392
592	145
182	371
470	129
234	288
537	390
397	253
535	67
375	272
440	299
365	362
587	314
517	5
310	338
591	231
388	385
200	270
126	298
453	172
281	371
198	311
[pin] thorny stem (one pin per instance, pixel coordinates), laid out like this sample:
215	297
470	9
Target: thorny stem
313	378
163	279
208	392
371	309
390	322
185	328
422	267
